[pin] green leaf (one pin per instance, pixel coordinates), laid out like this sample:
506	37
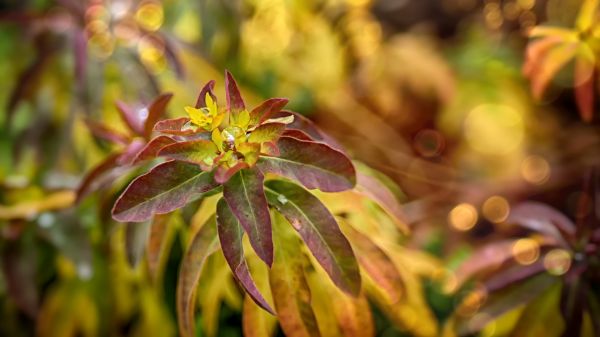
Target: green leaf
314	165
291	293
319	230
245	195
202	246
269	132
267	108
166	187
230	236
201	152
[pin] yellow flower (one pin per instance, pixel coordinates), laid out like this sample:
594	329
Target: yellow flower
208	117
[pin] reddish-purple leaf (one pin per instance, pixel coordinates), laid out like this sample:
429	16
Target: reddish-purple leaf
174	126
308	127
208	88
384	197
164	188
230	236
80	56
245	195
297	134
235	103
201	152
267	108
542	218
131	151
223	173
203	245
319	230
486	258
104	132
158	242
131	117
584	87
315	165
92	176
150	151
512	275
155	111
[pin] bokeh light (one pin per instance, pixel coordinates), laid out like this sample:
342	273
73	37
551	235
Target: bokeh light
526	251
557	261
494	129
535	170
463	217
150	15
495	209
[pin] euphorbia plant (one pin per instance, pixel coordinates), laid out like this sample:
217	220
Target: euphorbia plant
230	150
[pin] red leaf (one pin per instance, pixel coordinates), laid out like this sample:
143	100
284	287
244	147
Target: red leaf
208	88
230	236
203	245
104	132
267	108
151	149
130	116
155	111
223	173
90	178
235	103
584	87
246	197
173	126
315	165
307	126
297	134
319	230
164	188
543	219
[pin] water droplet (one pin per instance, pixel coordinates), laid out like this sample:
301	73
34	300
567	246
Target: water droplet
84	271
143	113
282	199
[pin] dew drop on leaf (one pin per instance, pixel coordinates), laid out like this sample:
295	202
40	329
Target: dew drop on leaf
282	199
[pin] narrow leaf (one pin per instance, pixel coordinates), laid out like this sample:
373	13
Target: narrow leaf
289	286
587	15
584	82
131	117
136	235
376	263
150	151
164	188
104	132
230	236
315	165
544	219
155	111
203	245
235	103
174	126
245	195
208	88
267	108
223	173
319	230
158	243
88	182
554	61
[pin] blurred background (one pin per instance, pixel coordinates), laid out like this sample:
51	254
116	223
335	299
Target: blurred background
497	180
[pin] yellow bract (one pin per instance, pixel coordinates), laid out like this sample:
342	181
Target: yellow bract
208	117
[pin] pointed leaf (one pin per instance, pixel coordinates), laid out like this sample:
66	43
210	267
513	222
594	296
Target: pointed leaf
208	88
267	108
203	245
543	219
235	103
255	321
92	176
553	62
201	152
150	151
319	230
307	126
164	188
176	126
136	235
158	243
376	263
315	165
245	195
131	117
102	131
588	14
297	134
291	293
230	236
155	111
